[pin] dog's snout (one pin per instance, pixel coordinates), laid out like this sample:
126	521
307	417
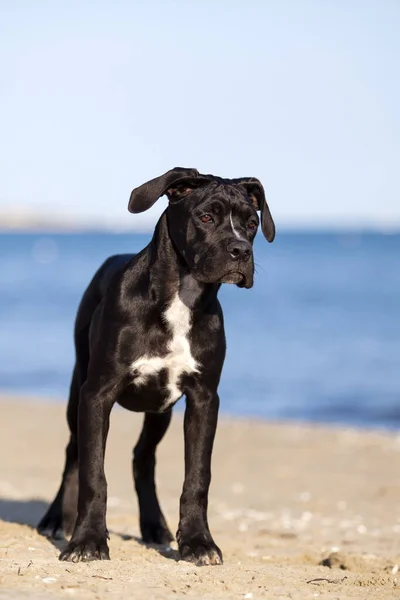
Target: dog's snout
239	250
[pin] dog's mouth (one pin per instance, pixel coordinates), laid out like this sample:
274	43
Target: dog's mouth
242	280
235	277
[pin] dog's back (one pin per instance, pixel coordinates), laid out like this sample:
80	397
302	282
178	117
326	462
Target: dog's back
97	289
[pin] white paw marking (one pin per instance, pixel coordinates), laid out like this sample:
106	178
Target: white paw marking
178	360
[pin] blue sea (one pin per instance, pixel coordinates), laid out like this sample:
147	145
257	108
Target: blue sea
316	339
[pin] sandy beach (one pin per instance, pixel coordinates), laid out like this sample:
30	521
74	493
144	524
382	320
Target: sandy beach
298	511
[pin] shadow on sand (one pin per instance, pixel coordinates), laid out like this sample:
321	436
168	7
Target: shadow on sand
29	512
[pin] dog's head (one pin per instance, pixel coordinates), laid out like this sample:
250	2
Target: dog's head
212	221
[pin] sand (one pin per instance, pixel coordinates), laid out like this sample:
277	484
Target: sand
298	511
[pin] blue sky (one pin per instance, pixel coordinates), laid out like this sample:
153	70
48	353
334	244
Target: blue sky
98	97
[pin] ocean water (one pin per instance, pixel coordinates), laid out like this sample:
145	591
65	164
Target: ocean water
316	339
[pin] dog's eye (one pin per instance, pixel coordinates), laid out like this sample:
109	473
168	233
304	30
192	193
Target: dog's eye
206	218
252	225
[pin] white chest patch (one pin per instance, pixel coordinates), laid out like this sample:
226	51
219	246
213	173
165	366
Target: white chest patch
178	360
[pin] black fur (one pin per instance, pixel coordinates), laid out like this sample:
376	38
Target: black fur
204	238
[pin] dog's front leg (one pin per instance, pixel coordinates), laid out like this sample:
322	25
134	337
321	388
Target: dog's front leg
89	539
194	538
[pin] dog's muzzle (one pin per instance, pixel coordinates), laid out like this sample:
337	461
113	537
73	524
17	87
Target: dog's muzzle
238	278
241	272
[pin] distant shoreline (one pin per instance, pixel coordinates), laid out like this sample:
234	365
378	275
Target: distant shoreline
84	229
26	398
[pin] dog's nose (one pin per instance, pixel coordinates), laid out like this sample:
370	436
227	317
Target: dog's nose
239	250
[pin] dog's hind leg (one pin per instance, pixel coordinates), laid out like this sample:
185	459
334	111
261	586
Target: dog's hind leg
60	518
152	522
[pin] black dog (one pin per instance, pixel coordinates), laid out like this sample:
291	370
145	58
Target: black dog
149	330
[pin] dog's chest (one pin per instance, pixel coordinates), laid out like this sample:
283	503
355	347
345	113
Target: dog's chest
177	361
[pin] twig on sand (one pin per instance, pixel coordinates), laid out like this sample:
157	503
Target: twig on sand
319	579
27	567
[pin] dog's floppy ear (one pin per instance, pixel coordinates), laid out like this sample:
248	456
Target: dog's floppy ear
144	196
256	193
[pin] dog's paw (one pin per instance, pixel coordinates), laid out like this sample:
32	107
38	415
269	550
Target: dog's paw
156	533
200	551
86	549
51	526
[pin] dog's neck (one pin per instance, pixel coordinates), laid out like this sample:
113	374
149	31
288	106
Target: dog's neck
169	273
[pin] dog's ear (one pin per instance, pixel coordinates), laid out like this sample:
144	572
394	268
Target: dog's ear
256	193
171	183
